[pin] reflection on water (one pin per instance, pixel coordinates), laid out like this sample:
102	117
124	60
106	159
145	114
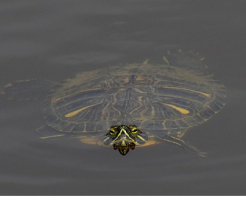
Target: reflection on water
54	42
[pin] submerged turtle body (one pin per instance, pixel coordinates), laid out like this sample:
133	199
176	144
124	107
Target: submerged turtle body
158	102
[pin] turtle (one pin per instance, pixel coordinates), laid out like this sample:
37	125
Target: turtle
128	106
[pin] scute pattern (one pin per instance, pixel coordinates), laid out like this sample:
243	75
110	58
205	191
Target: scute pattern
153	97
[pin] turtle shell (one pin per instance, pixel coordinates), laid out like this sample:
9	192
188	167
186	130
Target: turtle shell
176	95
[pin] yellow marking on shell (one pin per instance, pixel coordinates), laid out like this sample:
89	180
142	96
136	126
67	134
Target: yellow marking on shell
139	91
71	114
140	78
52	136
146	62
140	98
202	59
58	99
152	111
165	60
181	110
91	141
84	130
126	79
114	97
177	88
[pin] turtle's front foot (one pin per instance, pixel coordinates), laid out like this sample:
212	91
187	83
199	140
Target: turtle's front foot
181	143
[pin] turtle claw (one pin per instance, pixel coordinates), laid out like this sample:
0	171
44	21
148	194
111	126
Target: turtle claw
165	60
146	62
202	154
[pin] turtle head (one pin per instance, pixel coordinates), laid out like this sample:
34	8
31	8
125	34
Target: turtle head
123	138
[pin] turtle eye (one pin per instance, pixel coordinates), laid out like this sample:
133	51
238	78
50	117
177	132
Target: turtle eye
112	132
134	130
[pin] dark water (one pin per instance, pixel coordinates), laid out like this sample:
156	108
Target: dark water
57	39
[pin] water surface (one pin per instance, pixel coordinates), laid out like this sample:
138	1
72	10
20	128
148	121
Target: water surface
50	40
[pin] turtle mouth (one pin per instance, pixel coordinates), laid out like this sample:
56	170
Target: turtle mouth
123	146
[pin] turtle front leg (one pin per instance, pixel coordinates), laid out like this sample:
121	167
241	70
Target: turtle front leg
181	143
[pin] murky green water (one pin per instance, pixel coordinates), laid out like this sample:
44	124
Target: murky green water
56	40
